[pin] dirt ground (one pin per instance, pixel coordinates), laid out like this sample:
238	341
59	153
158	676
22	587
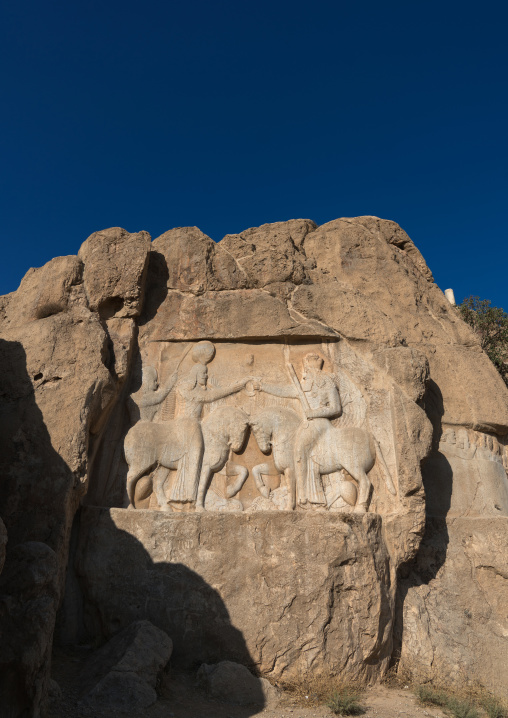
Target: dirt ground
180	698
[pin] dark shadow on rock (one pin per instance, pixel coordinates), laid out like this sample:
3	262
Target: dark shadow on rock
108	469
156	286
437	477
36	492
116	583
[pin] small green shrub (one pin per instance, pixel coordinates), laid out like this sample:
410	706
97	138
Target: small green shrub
462	709
451	704
345	703
493	708
431	696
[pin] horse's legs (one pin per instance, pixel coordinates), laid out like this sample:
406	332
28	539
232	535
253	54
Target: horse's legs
291	484
159	479
135	473
257	473
242	474
364	487
204	479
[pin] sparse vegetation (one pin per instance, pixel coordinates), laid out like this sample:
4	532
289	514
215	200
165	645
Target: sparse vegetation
491	325
345	702
451	704
467	704
340	696
429	696
493	707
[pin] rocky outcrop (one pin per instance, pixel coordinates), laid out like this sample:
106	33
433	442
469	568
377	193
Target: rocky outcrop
74	339
453	621
115	265
57	388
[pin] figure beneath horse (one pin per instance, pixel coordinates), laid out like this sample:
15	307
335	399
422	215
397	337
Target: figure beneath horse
349	448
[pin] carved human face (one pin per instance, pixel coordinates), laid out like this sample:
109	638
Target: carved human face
202	375
150	378
314	362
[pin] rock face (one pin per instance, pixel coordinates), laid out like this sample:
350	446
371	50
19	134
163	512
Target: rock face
302	592
311	389
453	624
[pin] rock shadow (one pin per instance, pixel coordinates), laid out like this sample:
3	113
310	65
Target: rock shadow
156	286
101	600
108	470
37	491
437	477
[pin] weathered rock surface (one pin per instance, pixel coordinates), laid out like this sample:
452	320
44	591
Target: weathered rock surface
115	270
3	544
74	339
123	674
46	291
230	682
271	253
195	263
294	592
56	392
453	626
29	595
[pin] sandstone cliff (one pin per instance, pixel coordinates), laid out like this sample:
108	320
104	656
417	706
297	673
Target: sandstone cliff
73	340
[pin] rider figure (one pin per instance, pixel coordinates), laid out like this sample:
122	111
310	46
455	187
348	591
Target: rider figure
323	399
143	403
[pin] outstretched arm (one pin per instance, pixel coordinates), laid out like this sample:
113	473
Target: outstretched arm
215	393
286	392
155	397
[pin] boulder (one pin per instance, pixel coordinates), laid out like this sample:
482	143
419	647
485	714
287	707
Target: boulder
230	682
122	675
195	263
297	592
115	271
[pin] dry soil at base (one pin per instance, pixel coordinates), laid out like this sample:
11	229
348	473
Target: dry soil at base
180	698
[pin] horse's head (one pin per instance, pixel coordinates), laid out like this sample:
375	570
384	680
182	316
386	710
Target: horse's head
236	425
262	431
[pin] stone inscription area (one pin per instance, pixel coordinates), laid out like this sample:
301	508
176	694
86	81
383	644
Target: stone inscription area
249	427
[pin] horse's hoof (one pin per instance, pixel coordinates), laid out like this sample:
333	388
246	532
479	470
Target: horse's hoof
360	509
265	491
131	507
166	508
200	509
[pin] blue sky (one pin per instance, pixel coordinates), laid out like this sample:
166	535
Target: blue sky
226	115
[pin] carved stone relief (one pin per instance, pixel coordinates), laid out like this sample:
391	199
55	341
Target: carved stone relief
250	427
479	461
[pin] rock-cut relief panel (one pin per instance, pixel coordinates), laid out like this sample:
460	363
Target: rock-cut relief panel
479	465
249	427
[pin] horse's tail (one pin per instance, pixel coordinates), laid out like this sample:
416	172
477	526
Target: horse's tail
386	471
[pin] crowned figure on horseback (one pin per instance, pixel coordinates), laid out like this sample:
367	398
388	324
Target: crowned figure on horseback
320	402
